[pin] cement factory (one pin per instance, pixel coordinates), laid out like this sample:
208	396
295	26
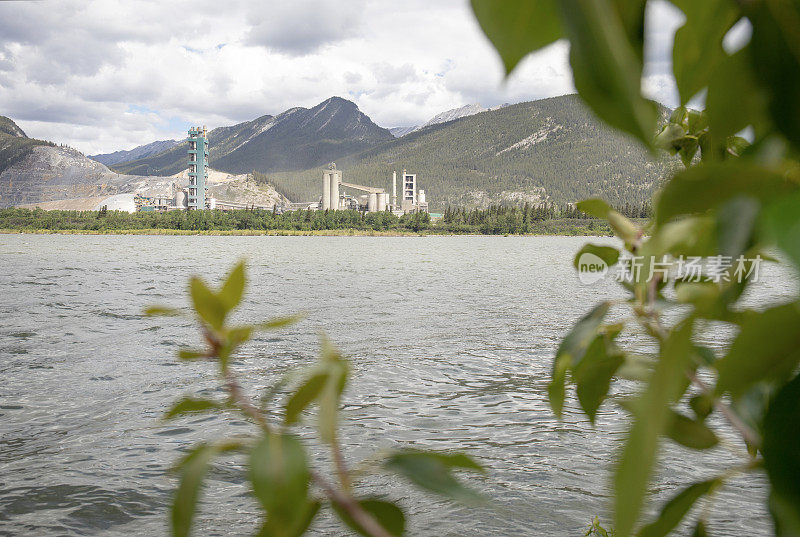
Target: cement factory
375	199
194	197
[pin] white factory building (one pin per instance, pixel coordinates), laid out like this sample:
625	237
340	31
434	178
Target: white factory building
373	199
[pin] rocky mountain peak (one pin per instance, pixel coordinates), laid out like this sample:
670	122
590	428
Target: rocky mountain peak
7	126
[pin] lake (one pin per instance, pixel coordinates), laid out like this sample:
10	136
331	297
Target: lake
451	340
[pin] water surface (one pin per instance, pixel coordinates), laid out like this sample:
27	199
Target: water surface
451	340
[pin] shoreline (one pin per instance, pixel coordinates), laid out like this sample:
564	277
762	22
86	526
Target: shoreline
286	233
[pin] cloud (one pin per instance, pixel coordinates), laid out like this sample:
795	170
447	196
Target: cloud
303	26
103	75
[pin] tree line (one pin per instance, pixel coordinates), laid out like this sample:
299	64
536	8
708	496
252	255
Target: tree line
495	220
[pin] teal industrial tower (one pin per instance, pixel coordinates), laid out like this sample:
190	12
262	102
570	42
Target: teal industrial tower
198	168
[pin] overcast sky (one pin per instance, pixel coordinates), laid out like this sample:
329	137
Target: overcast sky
113	74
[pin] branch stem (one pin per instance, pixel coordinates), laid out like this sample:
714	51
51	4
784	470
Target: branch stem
747	433
349	505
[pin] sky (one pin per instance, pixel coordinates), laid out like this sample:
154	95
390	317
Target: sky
107	75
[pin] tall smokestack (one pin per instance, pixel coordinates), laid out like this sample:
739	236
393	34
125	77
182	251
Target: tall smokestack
394	190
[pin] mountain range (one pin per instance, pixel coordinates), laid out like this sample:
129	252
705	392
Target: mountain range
119	157
299	138
548	150
40	173
551	150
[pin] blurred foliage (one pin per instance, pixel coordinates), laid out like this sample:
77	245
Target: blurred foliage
738	196
287	483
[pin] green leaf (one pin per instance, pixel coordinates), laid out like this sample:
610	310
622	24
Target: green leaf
207	304
280	477
337	370
571	349
593	372
631	14
192	405
776	61
782	456
700	529
728	113
433	471
677	508
785	516
674	138
774	337
705	187
606	66
736	145
233	288
609	255
702	405
595	529
385	513
692	236
690	433
624	228
304	396
696	120
518	27
187	355
594	207
751	407
280	322
162	311
651	418
736	220
238	335
270	528
697	47
781	221
193	469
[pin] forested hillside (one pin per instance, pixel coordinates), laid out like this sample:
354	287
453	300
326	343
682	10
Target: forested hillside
552	149
14	144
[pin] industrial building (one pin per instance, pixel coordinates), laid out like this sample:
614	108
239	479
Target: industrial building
375	199
195	196
198	168
412	199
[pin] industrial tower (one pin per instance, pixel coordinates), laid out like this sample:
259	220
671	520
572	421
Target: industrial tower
198	168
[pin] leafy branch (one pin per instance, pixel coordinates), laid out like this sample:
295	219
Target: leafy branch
736	199
280	471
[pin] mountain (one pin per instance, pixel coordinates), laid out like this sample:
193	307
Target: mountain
33	171
455	113
399	132
14	144
297	139
119	157
444	117
548	150
9	128
47	173
38	173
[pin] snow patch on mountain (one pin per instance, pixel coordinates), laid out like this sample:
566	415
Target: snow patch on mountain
455	113
399	132
444	117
